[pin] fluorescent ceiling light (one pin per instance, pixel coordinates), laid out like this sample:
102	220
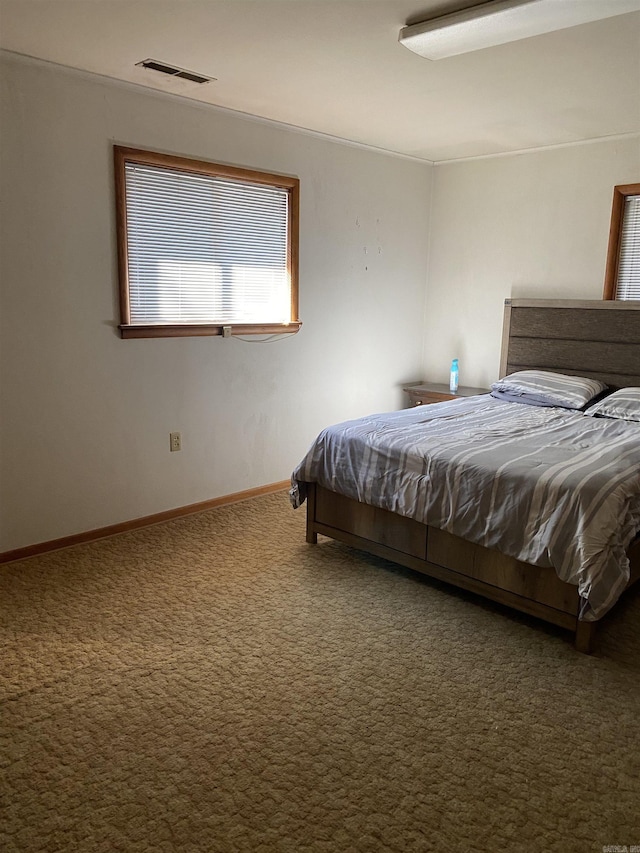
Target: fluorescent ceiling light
501	21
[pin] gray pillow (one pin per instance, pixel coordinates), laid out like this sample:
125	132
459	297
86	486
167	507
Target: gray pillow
623	404
544	388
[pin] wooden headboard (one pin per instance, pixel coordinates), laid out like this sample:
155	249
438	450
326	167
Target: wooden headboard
594	338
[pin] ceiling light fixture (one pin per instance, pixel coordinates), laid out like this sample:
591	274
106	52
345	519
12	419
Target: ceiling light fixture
501	21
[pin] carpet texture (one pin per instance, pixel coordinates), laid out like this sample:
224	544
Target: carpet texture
216	684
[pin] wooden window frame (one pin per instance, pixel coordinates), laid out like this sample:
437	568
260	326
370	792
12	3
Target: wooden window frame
620	194
123	155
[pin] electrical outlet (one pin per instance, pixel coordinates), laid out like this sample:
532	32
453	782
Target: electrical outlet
175	442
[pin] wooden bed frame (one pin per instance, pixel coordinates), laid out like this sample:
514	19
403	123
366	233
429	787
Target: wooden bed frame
585	338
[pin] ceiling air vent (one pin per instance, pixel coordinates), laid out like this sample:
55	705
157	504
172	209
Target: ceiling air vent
154	65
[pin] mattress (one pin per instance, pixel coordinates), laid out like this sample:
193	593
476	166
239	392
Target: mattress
548	486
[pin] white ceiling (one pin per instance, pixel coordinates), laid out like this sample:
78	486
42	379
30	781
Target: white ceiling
336	67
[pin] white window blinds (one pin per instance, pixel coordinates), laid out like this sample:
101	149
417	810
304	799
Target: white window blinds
628	278
203	249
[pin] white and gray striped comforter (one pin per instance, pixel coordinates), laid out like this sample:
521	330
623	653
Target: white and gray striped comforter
545	485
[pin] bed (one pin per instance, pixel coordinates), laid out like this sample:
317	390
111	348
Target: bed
594	339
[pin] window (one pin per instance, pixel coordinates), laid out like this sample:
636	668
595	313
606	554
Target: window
622	278
202	247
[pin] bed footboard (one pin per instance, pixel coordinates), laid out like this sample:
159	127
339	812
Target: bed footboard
529	589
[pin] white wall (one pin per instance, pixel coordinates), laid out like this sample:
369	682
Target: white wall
85	416
530	225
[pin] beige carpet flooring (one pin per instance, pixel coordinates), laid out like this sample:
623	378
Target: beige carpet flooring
216	684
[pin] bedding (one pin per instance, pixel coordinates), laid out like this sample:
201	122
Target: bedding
542	388
623	404
547	486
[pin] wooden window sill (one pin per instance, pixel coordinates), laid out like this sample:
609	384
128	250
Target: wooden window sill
180	331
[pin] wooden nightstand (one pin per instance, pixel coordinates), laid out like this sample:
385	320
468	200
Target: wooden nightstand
432	392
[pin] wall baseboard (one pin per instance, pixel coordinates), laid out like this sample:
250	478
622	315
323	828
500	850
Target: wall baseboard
134	524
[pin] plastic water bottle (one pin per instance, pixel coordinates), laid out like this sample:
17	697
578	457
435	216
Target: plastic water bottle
453	380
